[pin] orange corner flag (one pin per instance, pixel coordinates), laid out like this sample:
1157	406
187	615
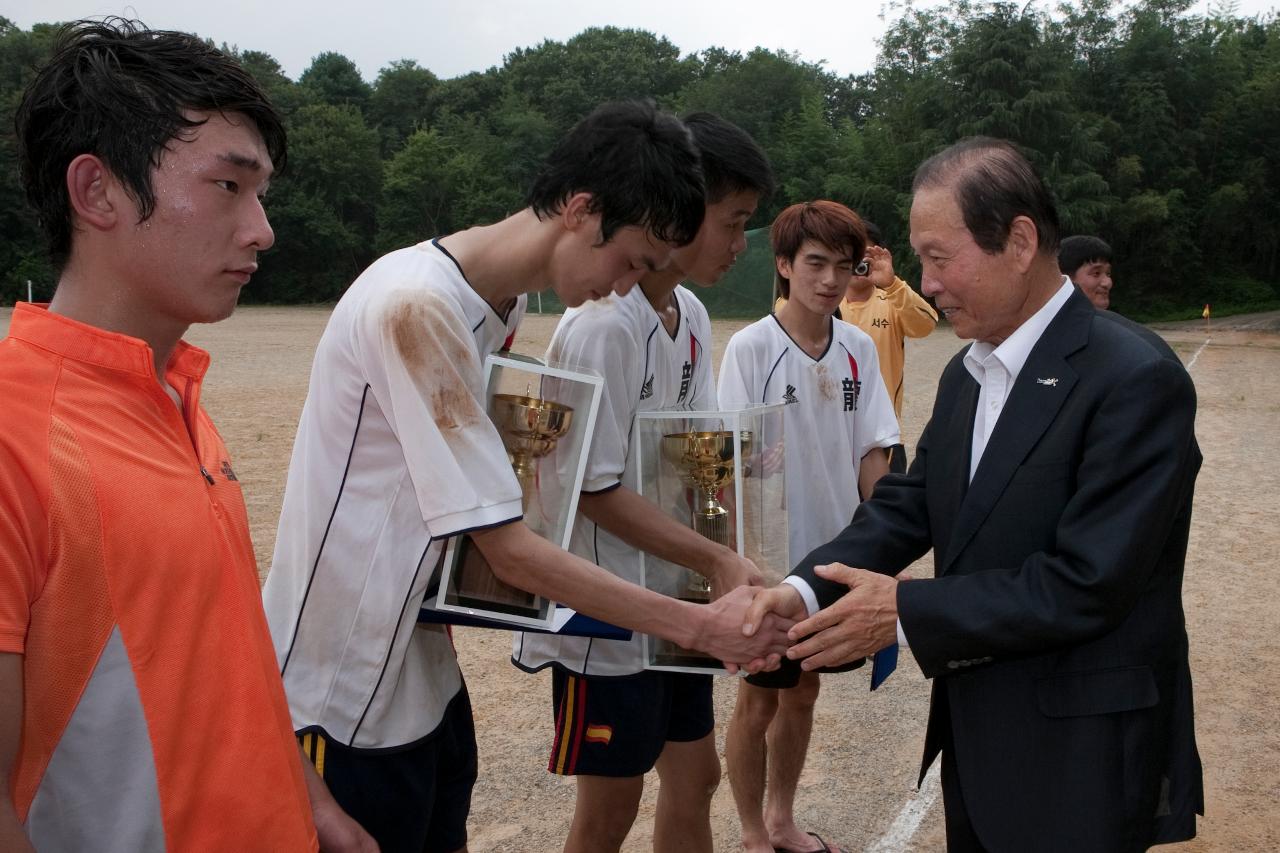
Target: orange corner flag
1205	313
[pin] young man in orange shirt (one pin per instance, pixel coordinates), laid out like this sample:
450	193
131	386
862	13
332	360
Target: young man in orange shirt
886	308
140	704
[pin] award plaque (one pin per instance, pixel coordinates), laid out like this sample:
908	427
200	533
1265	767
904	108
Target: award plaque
720	473
545	415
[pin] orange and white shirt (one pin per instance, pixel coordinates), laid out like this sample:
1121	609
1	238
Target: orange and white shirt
153	713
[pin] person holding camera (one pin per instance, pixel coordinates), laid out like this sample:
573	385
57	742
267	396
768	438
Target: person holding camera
886	308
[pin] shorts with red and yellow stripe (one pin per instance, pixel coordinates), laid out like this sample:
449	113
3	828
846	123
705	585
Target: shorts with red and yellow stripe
618	725
411	799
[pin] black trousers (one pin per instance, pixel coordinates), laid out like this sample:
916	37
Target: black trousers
961	837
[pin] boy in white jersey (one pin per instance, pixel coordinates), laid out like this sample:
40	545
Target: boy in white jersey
839	420
395	454
614	720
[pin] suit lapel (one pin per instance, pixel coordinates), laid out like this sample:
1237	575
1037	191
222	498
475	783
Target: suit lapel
1042	387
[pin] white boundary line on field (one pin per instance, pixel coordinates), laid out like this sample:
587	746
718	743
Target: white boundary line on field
904	826
1192	362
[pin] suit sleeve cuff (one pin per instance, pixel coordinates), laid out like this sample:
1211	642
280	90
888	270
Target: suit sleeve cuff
806	592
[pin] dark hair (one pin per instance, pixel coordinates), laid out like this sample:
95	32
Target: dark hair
874	236
993	183
640	167
731	160
828	222
1082	249
118	90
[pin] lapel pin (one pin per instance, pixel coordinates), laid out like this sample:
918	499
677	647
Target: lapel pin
1052	380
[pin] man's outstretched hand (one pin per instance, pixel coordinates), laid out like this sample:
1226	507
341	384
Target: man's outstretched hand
722	635
862	622
781	602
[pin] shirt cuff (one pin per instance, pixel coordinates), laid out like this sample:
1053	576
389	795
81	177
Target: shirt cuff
902	637
806	593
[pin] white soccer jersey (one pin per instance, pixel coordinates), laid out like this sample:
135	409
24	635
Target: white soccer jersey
645	369
394	454
837	410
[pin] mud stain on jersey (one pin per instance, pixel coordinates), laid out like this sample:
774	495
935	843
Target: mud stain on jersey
426	331
826	385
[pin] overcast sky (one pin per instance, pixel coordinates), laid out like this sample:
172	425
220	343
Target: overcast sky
452	37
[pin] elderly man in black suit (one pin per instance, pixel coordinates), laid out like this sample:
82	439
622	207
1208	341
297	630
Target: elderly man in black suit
1054	485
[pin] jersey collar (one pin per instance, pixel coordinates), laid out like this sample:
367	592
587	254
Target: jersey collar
36	325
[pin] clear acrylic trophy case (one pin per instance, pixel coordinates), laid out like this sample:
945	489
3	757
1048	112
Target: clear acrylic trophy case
722	474
545	414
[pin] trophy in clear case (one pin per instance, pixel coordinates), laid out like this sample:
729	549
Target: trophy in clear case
705	461
530	428
702	469
545	415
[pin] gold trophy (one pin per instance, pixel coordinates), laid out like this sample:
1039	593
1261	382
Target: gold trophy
705	463
530	428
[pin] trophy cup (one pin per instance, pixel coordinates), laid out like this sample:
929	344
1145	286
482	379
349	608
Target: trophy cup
530	427
705	463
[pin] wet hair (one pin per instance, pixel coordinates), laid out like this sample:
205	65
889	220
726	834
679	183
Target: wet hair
731	160
120	91
639	165
1082	249
993	184
827	222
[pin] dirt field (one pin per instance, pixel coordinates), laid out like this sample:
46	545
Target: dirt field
859	784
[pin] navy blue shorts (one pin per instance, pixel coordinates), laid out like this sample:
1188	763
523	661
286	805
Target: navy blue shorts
618	725
412	800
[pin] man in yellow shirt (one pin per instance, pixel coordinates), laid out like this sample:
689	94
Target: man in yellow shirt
886	308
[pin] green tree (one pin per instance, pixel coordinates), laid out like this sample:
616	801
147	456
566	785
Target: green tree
565	81
403	101
285	95
333	79
23	255
429	188
330	191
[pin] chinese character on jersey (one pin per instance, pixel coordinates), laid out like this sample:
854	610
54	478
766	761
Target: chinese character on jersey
686	376
852	386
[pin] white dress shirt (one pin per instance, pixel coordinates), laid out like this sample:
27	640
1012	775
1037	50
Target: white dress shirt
996	369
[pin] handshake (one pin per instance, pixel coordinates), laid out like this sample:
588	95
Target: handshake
752	629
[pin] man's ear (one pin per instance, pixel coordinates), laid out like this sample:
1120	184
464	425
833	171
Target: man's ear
576	211
94	193
783	266
1024	242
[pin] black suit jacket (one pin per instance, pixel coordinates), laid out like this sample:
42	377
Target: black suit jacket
1054	628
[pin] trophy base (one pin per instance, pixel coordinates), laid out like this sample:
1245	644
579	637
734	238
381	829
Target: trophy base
477	587
668	654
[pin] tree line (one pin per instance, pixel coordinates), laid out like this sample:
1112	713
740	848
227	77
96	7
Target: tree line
1157	129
